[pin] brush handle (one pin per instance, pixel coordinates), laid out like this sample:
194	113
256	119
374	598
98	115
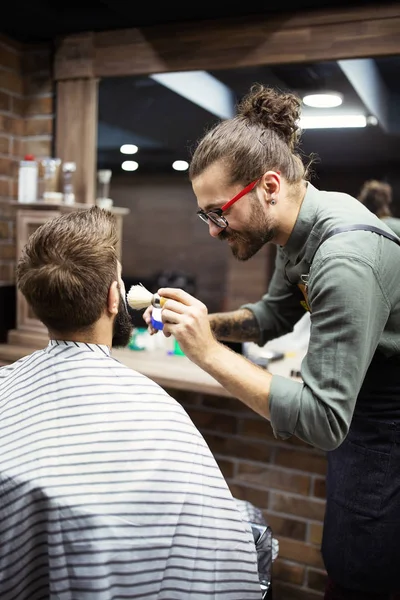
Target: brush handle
157	301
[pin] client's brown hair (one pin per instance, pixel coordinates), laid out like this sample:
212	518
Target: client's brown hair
67	267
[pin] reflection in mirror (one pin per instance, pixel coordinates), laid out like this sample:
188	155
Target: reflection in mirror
148	123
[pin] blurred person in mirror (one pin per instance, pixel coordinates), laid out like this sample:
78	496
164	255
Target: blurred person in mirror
377	196
341	263
108	490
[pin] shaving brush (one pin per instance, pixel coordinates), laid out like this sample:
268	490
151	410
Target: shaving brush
139	297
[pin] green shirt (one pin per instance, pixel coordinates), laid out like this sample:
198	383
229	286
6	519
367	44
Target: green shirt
354	298
393	223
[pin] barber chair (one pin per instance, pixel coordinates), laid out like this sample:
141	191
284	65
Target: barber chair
267	546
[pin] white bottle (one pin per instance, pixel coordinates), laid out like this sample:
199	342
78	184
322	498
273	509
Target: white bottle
28	180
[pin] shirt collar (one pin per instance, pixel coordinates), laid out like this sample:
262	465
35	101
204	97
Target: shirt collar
96	348
298	241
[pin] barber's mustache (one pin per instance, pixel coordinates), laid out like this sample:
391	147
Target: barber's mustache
231	235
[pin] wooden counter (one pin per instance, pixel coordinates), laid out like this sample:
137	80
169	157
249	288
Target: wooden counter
176	372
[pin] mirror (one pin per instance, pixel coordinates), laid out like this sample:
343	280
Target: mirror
163	115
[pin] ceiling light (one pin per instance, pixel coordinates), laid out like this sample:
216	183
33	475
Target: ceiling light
128	149
325	100
333	121
180	165
129	165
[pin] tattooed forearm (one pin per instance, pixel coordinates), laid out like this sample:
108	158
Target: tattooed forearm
236	326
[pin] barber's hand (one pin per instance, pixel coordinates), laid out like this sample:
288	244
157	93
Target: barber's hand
147	320
186	318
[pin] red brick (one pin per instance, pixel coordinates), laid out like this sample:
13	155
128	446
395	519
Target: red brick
307	461
4	144
204	419
11	125
257	428
18	106
261	428
9	58
39	126
37	84
14	188
286	527
283	591
300	552
315	533
11	81
17	147
35	60
226	404
6	166
319	490
39	148
5	101
258	498
316	580
227	468
235	447
288	572
185	397
296	505
6	230
4	190
7	272
7	251
42	105
273	477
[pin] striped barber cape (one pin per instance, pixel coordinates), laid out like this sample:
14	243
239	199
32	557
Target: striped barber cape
107	489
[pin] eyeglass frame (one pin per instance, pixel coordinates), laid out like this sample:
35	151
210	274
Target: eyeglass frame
207	216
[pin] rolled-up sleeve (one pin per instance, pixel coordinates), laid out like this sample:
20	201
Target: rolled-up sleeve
349	312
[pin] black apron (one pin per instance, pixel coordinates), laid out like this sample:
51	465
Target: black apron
361	539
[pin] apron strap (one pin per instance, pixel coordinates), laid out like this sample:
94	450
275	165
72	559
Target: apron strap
356	227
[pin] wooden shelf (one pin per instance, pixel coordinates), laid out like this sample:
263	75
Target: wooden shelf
175	372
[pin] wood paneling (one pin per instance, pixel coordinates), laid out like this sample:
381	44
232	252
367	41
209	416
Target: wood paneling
76	132
229	43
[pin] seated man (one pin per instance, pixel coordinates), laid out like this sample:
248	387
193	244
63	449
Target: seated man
108	490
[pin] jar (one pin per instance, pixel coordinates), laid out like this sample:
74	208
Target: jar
50	169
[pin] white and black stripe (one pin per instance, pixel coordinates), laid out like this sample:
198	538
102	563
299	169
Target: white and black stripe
108	491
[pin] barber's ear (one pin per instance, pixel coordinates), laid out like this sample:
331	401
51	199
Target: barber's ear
272	183
113	298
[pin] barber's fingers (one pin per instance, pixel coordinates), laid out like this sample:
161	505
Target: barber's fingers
176	307
147	314
171	316
179	295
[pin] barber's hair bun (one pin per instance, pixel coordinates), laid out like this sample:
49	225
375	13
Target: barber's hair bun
274	110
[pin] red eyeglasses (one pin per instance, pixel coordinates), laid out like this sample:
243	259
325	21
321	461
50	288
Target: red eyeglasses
215	215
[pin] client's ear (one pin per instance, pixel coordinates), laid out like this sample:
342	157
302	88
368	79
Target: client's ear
113	298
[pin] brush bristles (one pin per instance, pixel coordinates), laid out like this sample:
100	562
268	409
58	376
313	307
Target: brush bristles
139	297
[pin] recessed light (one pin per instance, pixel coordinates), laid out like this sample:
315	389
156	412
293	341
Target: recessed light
325	100
180	165
128	149
130	165
333	121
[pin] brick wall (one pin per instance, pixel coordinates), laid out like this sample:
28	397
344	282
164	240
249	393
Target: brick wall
26	127
285	479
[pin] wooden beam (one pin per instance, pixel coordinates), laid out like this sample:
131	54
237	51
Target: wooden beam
76	132
231	43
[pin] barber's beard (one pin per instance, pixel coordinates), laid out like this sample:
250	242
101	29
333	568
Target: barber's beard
123	326
246	243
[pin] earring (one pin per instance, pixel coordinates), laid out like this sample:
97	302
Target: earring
273	201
